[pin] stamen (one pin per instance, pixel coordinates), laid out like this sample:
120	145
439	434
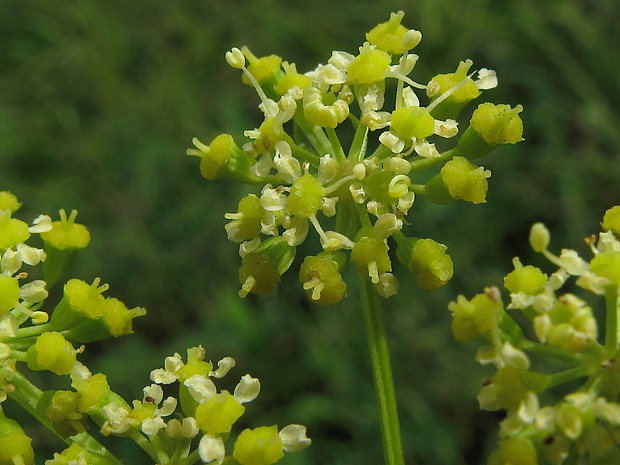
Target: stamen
247	286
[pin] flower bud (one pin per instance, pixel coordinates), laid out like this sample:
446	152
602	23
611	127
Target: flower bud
9	201
63	406
116	320
371	257
514	450
306	196
292	79
455	102
12	230
539	237
611	220
61	244
224	159
527	279
266	70
321	278
458	179
9	293
572	325
76	454
473	319
607	265
218	413
93	393
413	122
369	66
428	261
259	446
15	445
51	352
80	301
260	270
388	36
491	125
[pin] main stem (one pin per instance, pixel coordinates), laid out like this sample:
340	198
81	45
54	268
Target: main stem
382	371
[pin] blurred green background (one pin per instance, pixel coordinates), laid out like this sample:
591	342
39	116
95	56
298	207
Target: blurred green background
99	100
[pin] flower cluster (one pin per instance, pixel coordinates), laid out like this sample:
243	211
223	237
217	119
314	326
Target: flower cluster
36	337
355	197
585	422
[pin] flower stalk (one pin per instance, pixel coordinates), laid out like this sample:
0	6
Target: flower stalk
382	371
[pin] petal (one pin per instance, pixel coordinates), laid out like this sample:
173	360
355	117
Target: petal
31	255
223	367
151	426
247	389
294	438
211	448
41	223
200	387
155	392
168	407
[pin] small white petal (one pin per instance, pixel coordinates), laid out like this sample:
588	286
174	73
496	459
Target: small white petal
211	448
448	128
189	427
168	407
487	79
11	262
200	387
247	390
31	255
528	408
33	291
162	376
223	367
151	426
41	223
392	142
294	438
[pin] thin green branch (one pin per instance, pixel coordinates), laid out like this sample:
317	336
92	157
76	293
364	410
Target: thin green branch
549	351
382	371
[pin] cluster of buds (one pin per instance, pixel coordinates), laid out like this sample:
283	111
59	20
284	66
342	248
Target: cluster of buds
33	338
565	329
354	197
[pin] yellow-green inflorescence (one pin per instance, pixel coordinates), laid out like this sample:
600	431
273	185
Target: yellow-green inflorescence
355	197
579	343
35	335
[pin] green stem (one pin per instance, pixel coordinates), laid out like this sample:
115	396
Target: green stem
357	152
612	303
567	375
421	163
337	147
382	371
548	351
